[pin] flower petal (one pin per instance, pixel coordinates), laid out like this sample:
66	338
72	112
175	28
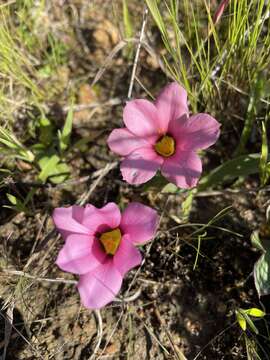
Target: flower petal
69	220
140	166
141	118
99	287
99	220
80	254
127	256
197	132
123	142
183	169
171	103
139	222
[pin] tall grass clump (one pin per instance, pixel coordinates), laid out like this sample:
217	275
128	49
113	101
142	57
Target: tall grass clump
31	54
204	56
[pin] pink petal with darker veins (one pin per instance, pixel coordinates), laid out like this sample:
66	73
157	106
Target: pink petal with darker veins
123	142
171	104
196	132
140	166
99	220
142	119
127	256
183	169
139	222
100	287
68	220
80	254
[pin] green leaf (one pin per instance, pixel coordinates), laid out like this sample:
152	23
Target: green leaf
267	170
255	312
256	241
264	174
127	20
241	320
187	203
261	271
251	324
262	274
46	131
61	173
128	28
18	205
29	196
48	166
199	248
153	7
243	165
64	136
11	142
170	188
256	92
9	139
53	169
12	199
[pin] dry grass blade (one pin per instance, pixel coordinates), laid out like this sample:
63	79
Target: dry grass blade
36	278
178	353
137	53
99	334
109	59
8	327
85	197
35	351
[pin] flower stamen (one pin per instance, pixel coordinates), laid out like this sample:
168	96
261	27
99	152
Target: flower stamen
165	146
111	241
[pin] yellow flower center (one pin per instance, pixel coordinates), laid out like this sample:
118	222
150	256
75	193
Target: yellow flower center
165	146
111	241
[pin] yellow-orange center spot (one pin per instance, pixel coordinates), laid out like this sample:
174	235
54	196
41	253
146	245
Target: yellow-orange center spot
165	146
111	241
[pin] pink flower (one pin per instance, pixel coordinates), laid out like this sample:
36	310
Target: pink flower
162	136
100	246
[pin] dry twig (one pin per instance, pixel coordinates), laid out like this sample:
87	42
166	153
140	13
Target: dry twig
133	74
